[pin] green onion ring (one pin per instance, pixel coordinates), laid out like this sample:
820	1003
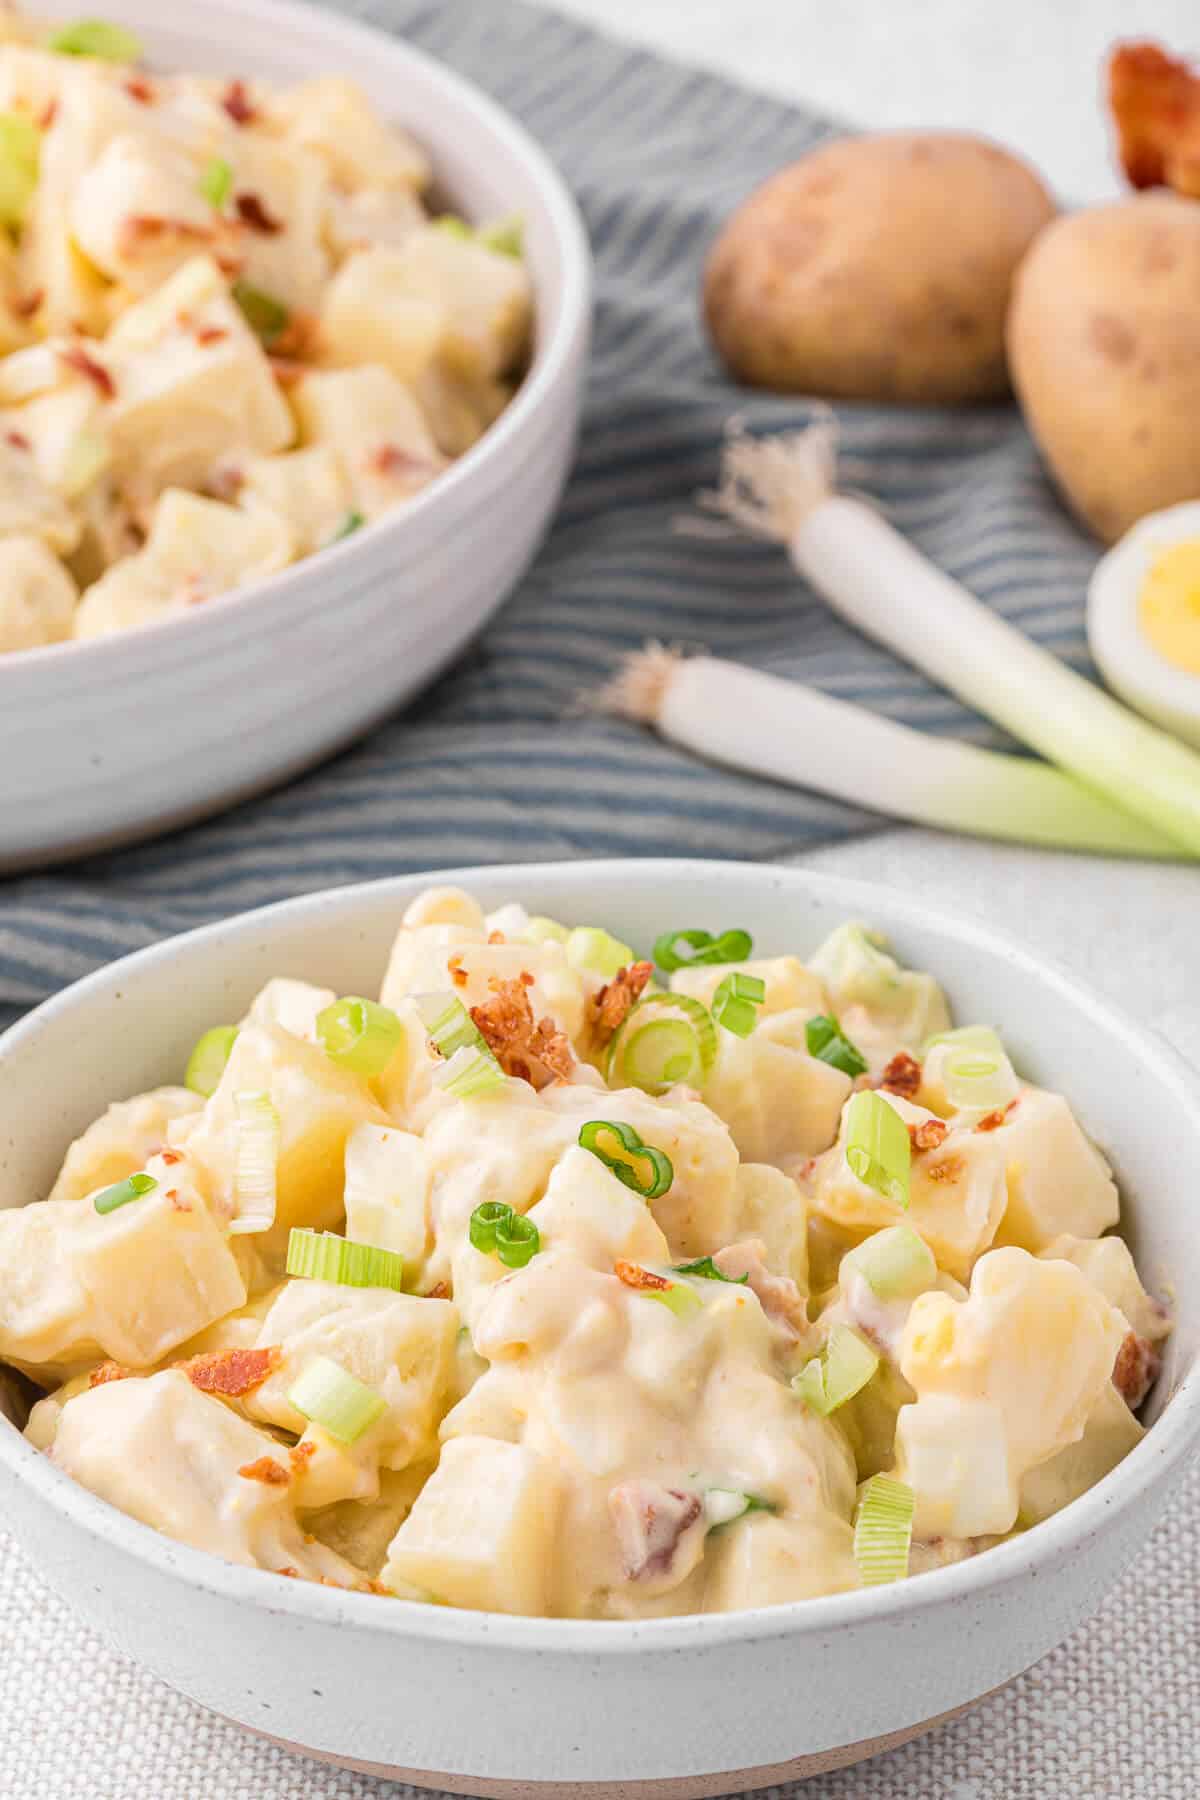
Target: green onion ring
661	1172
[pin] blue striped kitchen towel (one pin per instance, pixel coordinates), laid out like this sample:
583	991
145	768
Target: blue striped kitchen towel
491	764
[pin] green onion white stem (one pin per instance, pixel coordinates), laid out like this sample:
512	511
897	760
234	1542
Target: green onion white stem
785	731
255	1163
783	489
336	1400
883	1530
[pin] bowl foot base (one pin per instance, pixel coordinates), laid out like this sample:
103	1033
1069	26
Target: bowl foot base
682	1787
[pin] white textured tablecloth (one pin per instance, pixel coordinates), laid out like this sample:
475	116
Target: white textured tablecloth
1113	1714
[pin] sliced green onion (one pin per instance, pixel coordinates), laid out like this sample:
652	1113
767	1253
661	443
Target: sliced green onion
266	316
723	1505
596	952
970	1037
353	521
453	226
122	1192
206	1064
216	181
323	1256
541	930
845	1365
705	1269
878	1149
829	1044
256	1162
883	1530
677	1297
976	1074
339	1402
505	236
469	1073
20	148
448	1024
359	1035
496	1230
658	1176
659	1061
697	949
895	1263
95	37
518	1240
736	1002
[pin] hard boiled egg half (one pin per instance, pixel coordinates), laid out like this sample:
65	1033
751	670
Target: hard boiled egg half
1143	618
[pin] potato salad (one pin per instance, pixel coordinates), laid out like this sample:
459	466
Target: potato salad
231	330
570	1281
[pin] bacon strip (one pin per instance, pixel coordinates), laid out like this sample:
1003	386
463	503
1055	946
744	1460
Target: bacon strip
267	1470
77	358
232	1373
537	1053
613	1004
902	1076
1155	101
1136	1369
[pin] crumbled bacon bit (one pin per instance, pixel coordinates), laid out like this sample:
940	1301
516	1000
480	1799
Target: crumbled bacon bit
289	1571
179	1205
300	1455
390	459
139	89
1155	101
211	334
47	115
439	1291
108	1371
457	973
170	1157
371	1586
18	440
267	1470
231	1372
644	1280
138	229
1135	1369
237	103
228	263
930	1134
611	1006
252	211
537	1053
299	337
902	1075
226	483
525	978
660	1530
77	358
994	1120
286	372
949	1169
23	306
497	937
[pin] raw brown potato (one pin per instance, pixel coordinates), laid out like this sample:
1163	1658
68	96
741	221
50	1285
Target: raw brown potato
1104	346
877	268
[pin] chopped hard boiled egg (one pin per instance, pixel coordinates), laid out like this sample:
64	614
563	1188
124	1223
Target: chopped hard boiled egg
1143	618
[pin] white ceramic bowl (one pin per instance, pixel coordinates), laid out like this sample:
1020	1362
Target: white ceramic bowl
703	1705
117	737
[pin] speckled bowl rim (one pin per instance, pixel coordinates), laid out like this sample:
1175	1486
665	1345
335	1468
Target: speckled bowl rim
552	357
1172	1438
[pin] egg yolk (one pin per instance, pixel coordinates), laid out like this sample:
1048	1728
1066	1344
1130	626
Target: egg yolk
1169	605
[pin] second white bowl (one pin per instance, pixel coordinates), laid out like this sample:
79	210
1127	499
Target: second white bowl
118	737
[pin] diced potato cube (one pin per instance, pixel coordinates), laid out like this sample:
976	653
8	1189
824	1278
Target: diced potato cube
388	1179
765	1561
318	1105
180	1461
1057	1180
197	549
308	488
371	216
27	505
292	1005
779	1102
280	194
331	116
420	959
370	315
790	987
773	1209
37	595
482	1532
486	298
1109	1266
588	1211
121	1140
1110	1434
137	211
372	421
